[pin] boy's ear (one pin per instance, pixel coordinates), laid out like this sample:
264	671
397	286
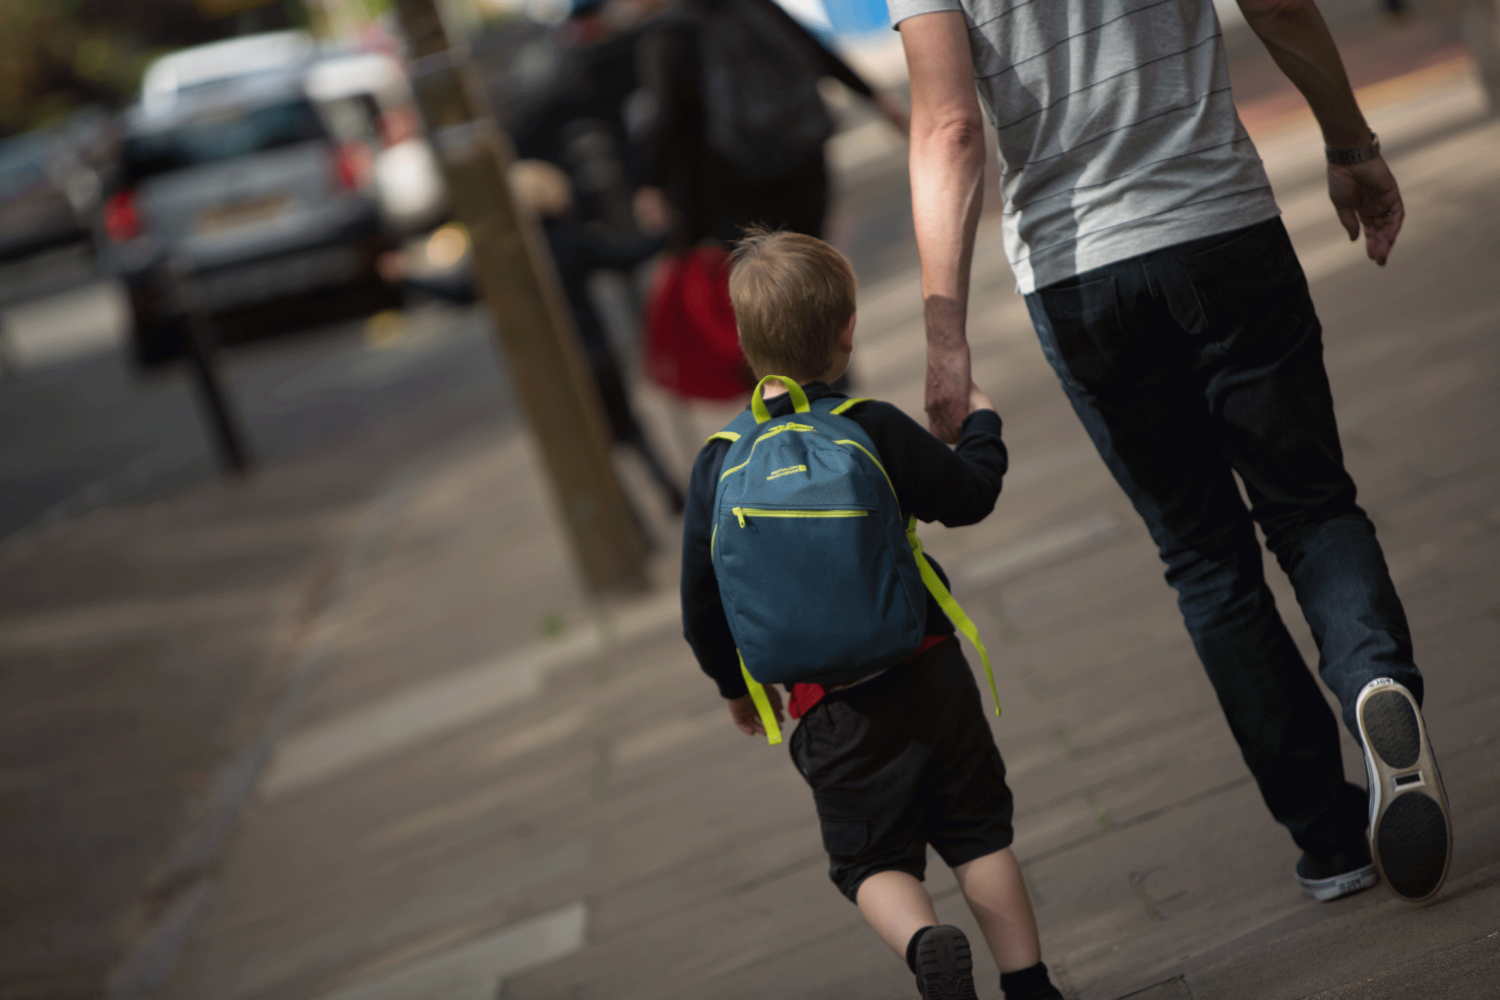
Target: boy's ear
846	335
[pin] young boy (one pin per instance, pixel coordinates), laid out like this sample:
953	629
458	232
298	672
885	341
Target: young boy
904	758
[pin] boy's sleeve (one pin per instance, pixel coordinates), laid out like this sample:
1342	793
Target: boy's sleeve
704	624
954	486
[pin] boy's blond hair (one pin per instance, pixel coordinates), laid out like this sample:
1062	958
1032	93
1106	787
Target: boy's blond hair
792	297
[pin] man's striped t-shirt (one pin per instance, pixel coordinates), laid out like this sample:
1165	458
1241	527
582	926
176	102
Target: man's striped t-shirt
1117	131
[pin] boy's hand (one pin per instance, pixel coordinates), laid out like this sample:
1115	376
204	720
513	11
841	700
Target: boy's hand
747	719
978	400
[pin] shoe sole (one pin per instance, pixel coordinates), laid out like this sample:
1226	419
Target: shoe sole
1411	838
945	965
1326	890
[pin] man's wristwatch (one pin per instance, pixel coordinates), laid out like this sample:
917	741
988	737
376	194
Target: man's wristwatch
1349	155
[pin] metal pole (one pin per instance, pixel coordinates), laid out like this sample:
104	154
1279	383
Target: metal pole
202	356
519	285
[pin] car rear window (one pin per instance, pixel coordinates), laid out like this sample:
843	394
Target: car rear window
222	137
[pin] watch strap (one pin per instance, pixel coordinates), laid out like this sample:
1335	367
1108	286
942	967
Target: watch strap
1350	155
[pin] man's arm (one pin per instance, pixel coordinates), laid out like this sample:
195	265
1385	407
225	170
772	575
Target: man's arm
1364	194
947	191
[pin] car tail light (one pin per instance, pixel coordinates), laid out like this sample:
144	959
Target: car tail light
352	165
122	223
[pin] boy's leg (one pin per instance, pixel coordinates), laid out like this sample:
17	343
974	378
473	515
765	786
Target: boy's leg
896	906
996	894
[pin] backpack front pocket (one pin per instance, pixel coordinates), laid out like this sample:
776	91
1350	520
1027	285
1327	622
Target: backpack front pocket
816	593
752	512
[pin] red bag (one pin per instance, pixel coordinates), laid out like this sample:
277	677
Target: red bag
692	344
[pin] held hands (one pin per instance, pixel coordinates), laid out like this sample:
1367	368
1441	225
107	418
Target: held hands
1365	194
747	719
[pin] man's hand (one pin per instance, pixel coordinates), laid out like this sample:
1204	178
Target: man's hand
1365	194
747	719
948	385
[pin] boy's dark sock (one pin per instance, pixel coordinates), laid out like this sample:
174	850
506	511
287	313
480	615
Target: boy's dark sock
911	948
1031	983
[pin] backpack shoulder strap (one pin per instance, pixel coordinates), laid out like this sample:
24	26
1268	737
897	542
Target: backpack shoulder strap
933	582
734	430
848	404
951	607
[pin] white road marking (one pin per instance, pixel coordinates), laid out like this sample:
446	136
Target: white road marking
68	326
473	971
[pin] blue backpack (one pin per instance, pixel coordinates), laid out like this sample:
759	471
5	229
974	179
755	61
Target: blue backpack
821	581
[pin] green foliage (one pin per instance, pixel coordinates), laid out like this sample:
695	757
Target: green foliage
64	54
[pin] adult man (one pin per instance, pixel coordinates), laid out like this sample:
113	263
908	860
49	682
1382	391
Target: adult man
1143	233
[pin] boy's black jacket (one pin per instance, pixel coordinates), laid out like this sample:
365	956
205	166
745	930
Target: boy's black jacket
951	486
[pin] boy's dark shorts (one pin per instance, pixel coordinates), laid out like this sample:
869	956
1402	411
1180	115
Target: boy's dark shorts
903	761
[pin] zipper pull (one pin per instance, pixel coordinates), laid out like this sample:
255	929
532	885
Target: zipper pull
739	512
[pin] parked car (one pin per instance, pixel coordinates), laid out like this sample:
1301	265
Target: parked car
49	197
241	182
381	107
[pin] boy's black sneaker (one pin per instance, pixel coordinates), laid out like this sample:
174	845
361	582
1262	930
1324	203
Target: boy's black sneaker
1340	874
1410	835
944	965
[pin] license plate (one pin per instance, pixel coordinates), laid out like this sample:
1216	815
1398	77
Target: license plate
240	214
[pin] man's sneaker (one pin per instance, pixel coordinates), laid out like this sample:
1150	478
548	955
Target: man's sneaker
1410	836
1340	874
945	967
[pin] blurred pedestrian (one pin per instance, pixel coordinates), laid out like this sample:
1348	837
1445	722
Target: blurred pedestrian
579	122
1142	230
738	125
578	250
735	138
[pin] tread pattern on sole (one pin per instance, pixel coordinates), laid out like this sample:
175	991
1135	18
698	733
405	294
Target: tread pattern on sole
945	965
1391	724
1412	843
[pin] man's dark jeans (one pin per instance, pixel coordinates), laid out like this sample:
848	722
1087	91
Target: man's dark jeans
1206	359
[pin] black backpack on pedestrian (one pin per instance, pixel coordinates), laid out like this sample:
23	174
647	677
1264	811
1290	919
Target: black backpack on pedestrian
763	112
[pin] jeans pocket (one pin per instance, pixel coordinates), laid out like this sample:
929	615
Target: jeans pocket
1250	291
1081	331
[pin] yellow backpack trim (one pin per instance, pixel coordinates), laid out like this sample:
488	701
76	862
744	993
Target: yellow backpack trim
959	617
762	705
846	404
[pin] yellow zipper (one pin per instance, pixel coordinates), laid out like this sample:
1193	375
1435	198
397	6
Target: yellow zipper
742	512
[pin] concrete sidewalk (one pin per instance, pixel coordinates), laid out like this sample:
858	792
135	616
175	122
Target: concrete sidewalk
489	789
